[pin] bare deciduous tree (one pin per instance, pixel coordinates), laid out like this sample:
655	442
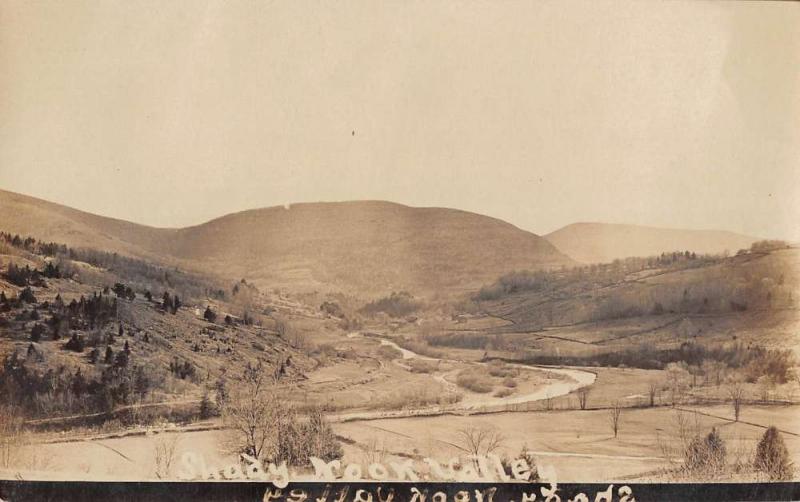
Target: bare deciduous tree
10	437
736	394
165	454
294	336
480	441
583	396
375	452
548	402
613	414
252	413
652	391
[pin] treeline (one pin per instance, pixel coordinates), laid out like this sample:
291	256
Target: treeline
751	361
607	292
395	305
89	313
606	274
140	274
26	276
596	275
32	245
768	245
467	340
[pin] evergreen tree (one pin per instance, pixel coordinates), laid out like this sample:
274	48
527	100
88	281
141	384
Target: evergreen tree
206	408
166	302
772	457
36	332
221	390
142	382
75	343
79	385
109	355
209	315
121	361
27	296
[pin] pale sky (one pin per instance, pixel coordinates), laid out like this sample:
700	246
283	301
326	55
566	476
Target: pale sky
540	113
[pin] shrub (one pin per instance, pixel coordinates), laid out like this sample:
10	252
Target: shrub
705	454
332	308
772	457
389	352
510	383
75	343
503	392
422	366
476	383
498	369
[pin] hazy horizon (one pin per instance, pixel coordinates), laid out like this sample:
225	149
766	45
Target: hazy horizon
679	115
534	231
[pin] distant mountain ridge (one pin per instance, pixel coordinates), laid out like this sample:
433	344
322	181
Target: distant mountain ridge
365	247
605	242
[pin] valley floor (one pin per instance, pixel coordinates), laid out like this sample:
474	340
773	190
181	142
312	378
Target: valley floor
571	445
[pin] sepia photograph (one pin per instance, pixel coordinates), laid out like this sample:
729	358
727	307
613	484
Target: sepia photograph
459	251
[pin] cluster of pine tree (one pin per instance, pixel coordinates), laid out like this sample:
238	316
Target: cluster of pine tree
44	393
32	245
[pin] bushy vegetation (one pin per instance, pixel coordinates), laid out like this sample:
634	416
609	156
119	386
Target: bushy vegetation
395	305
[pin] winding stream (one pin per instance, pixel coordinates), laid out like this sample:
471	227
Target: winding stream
575	379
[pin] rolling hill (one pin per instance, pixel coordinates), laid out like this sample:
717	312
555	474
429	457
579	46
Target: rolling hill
366	247
604	242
